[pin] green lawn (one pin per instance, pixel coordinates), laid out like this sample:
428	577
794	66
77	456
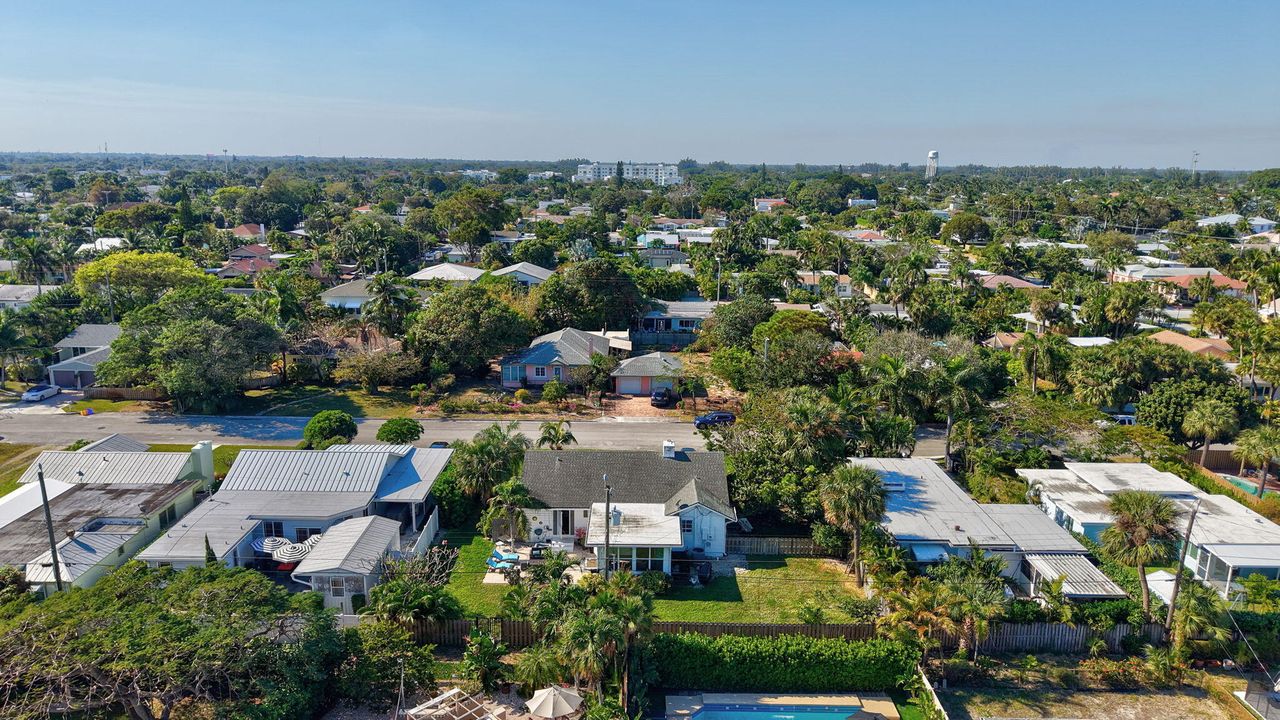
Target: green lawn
771	591
907	707
106	406
467	584
14	459
310	399
223	455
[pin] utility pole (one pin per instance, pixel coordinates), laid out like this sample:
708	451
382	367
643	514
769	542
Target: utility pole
608	520
717	278
48	524
1177	572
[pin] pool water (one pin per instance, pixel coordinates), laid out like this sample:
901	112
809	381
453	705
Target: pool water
775	712
1248	485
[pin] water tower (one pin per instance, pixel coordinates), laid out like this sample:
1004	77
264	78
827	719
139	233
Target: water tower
931	166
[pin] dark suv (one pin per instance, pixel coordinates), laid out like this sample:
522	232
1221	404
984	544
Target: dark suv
660	397
719	417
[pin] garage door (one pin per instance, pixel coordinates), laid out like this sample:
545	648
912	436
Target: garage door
629	385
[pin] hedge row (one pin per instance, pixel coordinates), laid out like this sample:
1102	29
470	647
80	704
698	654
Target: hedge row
790	663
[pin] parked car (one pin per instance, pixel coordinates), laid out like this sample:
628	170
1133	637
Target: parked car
660	397
439	444
711	419
1124	419
40	392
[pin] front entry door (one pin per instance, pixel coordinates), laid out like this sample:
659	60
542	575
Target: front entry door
564	522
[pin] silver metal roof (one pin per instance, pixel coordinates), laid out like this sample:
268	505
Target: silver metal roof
1081	577
308	470
930	506
131	468
354	546
85	551
115	442
412	478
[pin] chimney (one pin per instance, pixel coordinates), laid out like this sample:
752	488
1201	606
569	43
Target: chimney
262	231
202	460
668	449
615	517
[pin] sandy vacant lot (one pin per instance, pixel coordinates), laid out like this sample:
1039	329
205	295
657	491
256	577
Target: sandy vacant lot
1186	704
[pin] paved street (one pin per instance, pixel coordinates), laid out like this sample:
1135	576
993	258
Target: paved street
63	428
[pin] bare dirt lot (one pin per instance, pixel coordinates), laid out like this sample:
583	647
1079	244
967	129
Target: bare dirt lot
1188	703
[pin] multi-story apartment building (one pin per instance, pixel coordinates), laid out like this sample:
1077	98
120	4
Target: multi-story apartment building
657	173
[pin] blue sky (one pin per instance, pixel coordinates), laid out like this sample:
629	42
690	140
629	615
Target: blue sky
1080	83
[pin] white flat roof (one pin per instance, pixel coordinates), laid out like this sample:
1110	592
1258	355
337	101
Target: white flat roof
926	505
1245	555
1111	478
637	525
1069	492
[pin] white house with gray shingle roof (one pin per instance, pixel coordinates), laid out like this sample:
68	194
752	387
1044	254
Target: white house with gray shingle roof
667	505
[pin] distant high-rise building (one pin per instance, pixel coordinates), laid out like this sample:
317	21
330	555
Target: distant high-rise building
931	166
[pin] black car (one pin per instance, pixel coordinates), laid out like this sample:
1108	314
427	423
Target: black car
439	444
719	417
660	397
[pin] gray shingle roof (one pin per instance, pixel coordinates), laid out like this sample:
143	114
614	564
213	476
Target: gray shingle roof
568	347
90	335
91	360
655	364
355	546
696	492
572	478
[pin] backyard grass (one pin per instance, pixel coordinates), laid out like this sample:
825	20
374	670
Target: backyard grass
1187	703
772	590
467	581
14	459
223	455
107	406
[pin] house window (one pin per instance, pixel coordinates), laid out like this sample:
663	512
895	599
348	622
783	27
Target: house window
273	528
167	516
619	558
303	533
539	372
686	526
648	559
557	371
337	587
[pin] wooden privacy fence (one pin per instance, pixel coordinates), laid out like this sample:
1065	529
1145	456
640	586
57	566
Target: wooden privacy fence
94	392
774	545
1003	638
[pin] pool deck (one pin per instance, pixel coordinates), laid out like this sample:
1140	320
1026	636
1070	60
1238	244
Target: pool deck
683	706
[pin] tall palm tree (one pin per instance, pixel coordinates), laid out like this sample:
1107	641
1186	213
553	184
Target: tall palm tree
1258	446
1144	532
1210	419
390	303
507	506
954	385
853	496
588	641
896	385
1043	356
977	592
556	435
491	457
33	257
65	254
1199	615
635	615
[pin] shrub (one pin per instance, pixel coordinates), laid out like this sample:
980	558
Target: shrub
654	582
1105	614
790	663
1024	611
381	656
860	609
1127	674
829	538
523	396
400	431
554	391
329	424
1133	644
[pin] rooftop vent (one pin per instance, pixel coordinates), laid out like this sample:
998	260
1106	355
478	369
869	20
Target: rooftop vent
668	449
616	517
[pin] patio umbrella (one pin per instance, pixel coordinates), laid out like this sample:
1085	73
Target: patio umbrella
269	544
312	540
290	553
554	702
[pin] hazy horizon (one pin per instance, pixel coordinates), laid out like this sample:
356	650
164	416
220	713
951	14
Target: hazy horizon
1096	84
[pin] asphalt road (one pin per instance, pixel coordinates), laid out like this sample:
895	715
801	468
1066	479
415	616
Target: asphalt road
59	428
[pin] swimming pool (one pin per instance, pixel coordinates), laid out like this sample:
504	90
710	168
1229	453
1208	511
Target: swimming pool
775	712
1249	486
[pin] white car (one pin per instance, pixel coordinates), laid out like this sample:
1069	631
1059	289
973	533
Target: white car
40	392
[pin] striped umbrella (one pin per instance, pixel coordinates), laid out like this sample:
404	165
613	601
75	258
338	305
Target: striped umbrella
311	541
269	544
290	553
